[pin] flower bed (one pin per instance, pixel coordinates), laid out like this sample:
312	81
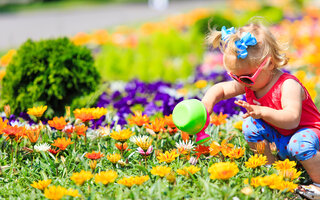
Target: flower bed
128	147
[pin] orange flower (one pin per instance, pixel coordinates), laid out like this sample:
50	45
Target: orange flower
81	129
138	119
185	136
100	37
260	147
14	132
81	38
226	147
62	143
157	125
33	134
218	119
201	149
58	123
122	146
236	153
94	155
214	148
168	121
84	116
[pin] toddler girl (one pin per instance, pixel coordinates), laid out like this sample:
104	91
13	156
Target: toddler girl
279	108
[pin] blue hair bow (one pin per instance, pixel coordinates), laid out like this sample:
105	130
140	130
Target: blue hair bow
247	39
225	33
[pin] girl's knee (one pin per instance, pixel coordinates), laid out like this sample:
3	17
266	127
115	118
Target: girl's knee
301	147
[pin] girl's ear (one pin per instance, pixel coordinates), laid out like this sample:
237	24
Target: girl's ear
270	64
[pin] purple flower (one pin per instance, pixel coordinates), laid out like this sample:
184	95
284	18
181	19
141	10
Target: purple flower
150	149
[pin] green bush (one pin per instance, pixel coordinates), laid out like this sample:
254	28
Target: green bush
49	72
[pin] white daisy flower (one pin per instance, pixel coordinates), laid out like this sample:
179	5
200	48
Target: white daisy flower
42	147
139	138
188	145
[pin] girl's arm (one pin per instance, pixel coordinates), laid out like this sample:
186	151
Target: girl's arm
292	95
221	91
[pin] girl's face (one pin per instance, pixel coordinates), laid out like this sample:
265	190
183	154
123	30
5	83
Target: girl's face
253	77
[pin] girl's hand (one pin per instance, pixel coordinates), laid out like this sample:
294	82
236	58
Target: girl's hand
252	110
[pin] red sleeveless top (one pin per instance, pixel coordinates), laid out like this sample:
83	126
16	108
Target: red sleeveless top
310	116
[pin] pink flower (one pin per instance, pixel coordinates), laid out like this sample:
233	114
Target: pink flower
145	153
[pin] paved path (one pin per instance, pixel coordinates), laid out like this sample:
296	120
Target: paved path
16	28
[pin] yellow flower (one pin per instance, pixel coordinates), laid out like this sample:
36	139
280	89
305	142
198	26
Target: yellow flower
114	158
223	170
97	113
106	177
37	111
167	157
160	170
282	185
238	125
80	177
133	180
188	170
144	142
55	192
257	181
122	135
42	184
201	84
271	180
284	165
93	164
141	179
72	192
291	174
129	182
256	161
236	153
5	60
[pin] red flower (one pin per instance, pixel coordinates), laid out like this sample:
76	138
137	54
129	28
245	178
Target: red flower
201	149
54	151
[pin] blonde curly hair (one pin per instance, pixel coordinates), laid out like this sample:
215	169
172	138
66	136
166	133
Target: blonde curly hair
267	45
